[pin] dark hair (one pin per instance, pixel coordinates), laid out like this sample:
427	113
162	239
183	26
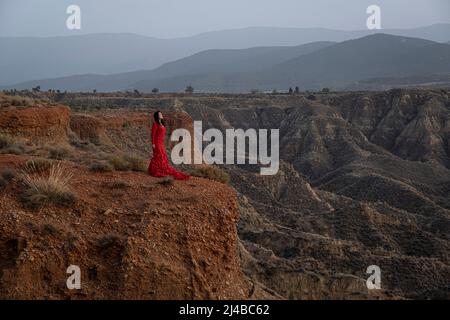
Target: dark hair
157	119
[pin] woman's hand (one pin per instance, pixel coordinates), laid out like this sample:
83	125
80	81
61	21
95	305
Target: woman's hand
153	146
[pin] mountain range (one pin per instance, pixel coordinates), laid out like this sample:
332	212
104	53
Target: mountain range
352	64
25	58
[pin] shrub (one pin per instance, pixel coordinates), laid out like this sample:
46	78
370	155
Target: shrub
119	163
71	241
3	183
74	139
58	153
6	141
109	240
210	172
101	166
50	188
9	144
136	163
50	229
129	162
119	184
38	165
15	149
8	174
166	182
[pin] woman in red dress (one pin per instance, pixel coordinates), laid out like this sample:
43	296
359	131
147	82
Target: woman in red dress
159	165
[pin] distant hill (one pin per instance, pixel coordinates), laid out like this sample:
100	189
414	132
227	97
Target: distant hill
336	66
24	58
379	55
312	66
227	61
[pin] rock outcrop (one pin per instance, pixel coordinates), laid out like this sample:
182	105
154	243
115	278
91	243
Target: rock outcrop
132	237
36	124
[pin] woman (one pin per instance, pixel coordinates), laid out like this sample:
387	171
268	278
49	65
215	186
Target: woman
159	165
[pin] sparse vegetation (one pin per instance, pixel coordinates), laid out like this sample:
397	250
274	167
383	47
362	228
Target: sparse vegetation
129	163
53	187
16	150
74	140
3	183
59	152
9	144
6	141
8	174
38	165
50	229
101	166
167	181
71	241
119	184
109	240
14	101
210	172
136	162
119	163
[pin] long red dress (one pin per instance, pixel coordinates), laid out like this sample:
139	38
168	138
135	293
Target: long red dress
159	165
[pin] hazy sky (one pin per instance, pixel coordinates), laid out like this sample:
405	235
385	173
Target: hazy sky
176	18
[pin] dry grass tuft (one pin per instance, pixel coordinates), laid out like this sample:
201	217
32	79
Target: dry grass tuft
48	188
210	172
129	163
38	165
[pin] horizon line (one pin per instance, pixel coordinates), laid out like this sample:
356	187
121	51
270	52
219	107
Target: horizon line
80	34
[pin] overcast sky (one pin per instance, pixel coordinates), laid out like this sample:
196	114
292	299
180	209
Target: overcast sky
177	18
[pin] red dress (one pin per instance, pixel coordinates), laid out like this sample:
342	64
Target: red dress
159	165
